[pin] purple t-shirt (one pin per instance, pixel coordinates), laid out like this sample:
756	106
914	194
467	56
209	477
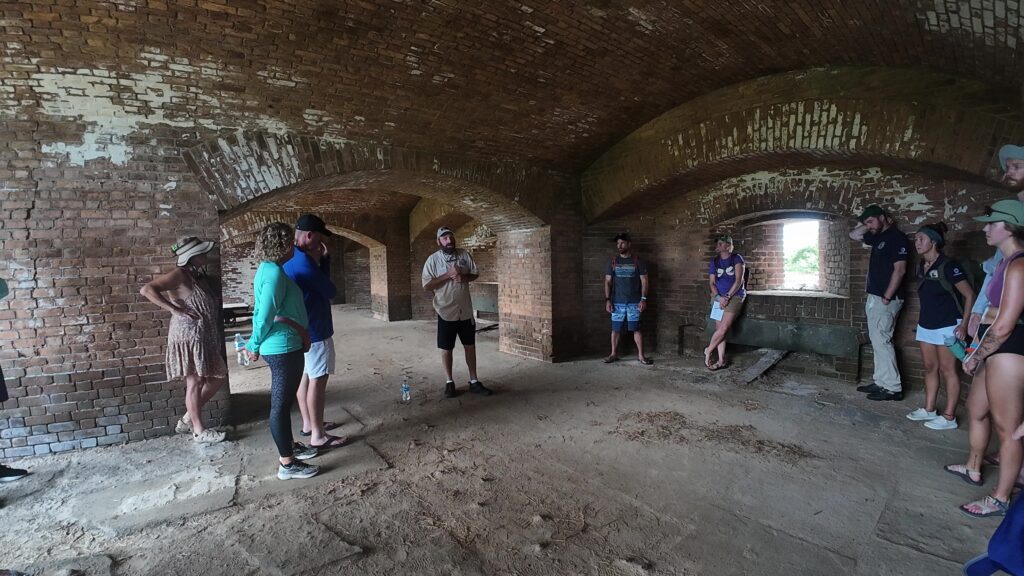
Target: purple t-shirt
724	272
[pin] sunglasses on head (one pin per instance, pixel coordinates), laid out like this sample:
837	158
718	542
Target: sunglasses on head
989	211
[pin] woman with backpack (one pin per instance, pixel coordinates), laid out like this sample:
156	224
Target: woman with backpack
726	280
997	392
946	299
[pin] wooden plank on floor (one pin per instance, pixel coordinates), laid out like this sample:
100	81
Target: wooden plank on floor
771	358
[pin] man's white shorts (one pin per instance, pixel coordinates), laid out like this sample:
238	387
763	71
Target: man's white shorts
937	336
320	358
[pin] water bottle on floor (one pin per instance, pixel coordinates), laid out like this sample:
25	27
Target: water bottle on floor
243	358
406	393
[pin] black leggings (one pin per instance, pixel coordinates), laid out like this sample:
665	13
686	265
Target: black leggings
285	377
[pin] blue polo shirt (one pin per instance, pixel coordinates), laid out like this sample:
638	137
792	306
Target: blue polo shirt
887	248
938	307
317	291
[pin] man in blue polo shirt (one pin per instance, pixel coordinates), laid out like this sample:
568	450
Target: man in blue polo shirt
890	250
310	268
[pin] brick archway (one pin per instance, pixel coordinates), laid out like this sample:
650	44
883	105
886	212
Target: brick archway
247	169
678	237
853	117
388	252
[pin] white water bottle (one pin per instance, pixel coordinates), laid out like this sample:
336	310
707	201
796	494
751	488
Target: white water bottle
406	393
243	358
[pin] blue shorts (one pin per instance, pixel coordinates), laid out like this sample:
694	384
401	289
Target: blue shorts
630	313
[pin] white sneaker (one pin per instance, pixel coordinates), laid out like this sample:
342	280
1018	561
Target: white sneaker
184	425
921	414
208	436
941	423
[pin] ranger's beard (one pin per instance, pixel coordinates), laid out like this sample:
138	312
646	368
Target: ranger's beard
449	249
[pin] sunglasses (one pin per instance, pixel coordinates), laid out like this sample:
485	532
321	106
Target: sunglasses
990	211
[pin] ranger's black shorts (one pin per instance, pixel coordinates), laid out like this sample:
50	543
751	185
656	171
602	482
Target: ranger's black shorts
448	330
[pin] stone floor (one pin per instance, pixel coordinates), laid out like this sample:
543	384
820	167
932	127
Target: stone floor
575	468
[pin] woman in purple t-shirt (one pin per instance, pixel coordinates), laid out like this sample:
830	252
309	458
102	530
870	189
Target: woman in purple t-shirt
997	391
728	292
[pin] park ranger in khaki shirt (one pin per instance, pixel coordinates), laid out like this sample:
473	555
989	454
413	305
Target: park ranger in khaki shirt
447	273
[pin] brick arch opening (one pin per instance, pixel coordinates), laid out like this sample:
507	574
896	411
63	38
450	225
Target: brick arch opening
677	237
522	277
761	238
385	258
246	170
908	120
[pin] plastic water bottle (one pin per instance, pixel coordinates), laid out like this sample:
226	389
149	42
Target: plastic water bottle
406	394
243	358
956	346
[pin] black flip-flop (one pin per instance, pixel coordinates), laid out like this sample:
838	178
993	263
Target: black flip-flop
610	359
330	445
645	361
327	426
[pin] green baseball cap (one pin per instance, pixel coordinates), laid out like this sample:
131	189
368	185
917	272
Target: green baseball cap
873	210
1010	211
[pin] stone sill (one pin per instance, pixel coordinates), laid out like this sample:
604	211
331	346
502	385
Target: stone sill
797	294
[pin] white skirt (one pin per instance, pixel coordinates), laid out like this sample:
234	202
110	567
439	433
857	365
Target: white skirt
936	336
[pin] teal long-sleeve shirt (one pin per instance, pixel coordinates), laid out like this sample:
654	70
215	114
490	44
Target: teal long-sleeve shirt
275	294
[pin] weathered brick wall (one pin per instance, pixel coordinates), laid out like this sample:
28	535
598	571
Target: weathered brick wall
834	255
524	293
336	248
802	118
761	246
676	241
356	265
238	266
82	351
422	308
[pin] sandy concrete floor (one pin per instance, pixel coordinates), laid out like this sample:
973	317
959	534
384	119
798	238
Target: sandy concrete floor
576	468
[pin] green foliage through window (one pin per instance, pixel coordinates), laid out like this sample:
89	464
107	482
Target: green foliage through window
803	261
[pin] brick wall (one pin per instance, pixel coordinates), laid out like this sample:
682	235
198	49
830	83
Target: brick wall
761	246
356	266
834	256
675	240
238	266
82	351
524	293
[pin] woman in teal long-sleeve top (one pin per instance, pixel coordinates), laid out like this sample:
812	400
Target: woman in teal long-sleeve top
280	335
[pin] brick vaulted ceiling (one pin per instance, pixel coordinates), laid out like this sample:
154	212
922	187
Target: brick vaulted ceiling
553	83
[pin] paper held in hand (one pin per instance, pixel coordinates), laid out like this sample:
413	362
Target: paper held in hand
717	311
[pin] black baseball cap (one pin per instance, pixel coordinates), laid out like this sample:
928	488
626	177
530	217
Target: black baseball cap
622	236
873	210
311	223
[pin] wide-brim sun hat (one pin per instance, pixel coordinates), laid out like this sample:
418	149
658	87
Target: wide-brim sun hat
1010	211
190	246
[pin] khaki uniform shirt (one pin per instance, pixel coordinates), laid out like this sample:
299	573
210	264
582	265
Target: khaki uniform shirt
451	300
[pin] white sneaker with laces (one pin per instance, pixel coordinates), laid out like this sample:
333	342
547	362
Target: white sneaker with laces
941	423
921	415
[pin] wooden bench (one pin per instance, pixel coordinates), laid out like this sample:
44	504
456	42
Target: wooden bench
234	313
